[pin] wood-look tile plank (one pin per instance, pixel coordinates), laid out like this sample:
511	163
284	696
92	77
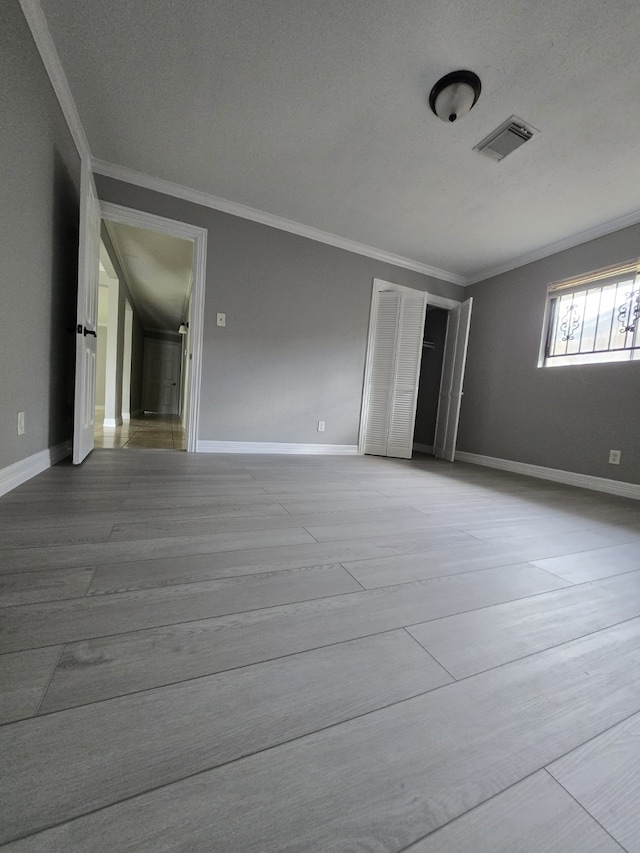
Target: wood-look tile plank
313	504
15	514
44	624
165	571
354	530
23	679
279	521
39	536
103	753
471	642
168	501
196	490
384	780
604	777
534	816
102	668
30	587
601	563
313	486
462	557
55	519
533	527
29	559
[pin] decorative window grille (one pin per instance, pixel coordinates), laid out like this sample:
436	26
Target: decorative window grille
595	317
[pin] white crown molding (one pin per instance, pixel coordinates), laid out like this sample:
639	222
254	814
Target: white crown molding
15	475
130	176
276	447
570	478
553	248
40	31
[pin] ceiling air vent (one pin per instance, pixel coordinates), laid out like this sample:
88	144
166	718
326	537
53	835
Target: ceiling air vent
511	134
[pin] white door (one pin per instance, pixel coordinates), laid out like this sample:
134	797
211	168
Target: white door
455	357
161	383
87	315
393	371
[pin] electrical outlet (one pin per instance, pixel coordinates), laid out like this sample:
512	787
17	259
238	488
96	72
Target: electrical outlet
221	319
320	426
20	423
614	457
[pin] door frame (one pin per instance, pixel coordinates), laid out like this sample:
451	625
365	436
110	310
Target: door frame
186	231
378	286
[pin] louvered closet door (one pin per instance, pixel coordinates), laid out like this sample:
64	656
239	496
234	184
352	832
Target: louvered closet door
407	375
382	372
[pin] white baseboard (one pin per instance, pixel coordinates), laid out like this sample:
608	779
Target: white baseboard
269	447
112	422
570	478
15	475
423	448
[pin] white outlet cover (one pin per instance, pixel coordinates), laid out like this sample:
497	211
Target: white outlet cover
614	457
221	319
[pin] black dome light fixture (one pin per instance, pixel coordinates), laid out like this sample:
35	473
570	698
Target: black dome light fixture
454	95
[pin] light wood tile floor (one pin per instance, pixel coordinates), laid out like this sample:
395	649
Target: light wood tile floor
145	432
253	653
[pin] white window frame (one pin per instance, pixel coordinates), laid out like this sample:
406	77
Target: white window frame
594	281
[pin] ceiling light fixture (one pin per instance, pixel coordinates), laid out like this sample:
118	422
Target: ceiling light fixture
454	95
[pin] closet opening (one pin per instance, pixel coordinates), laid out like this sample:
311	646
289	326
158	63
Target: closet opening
435	334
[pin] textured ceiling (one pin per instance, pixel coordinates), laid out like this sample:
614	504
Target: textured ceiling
316	111
158	271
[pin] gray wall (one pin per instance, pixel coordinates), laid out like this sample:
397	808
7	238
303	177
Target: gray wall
562	417
38	247
293	349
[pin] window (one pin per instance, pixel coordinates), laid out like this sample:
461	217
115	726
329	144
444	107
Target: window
594	318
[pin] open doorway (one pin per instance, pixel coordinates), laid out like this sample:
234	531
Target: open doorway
435	333
93	216
144	305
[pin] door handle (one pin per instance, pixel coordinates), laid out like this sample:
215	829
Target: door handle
83	329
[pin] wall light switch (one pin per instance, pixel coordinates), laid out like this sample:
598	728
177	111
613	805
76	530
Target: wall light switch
614	457
20	423
221	319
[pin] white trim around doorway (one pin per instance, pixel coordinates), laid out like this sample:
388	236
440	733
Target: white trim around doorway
184	230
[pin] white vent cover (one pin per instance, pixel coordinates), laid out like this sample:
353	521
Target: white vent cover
511	134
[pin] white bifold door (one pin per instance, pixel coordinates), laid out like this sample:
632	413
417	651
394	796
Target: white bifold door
393	371
87	317
455	356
